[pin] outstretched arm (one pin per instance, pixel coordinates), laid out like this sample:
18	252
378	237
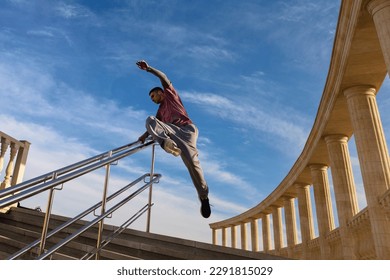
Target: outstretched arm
143	65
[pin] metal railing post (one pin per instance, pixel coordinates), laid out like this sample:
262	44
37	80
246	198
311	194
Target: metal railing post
150	190
104	202
45	226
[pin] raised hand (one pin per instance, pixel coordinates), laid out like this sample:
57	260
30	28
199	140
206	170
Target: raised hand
142	65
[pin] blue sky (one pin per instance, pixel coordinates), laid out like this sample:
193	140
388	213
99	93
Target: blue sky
250	73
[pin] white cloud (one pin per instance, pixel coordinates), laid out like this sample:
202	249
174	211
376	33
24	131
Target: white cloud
23	88
297	12
44	33
232	182
211	53
252	117
29	92
49	149
51	33
313	54
69	11
19	2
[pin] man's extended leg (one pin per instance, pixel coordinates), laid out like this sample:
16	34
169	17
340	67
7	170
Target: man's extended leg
186	138
199	182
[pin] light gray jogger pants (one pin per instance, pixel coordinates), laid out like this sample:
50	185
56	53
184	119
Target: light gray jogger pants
185	138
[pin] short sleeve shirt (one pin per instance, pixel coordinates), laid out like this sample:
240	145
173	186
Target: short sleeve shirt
171	109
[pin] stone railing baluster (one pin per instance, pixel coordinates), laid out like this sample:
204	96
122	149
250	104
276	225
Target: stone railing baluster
14	161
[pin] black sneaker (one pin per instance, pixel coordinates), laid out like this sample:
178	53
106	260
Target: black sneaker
205	208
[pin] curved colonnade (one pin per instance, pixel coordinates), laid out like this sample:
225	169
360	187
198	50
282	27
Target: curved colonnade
360	62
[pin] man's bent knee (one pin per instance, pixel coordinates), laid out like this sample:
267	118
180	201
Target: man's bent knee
150	120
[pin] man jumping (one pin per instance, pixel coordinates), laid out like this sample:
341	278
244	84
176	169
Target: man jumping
175	132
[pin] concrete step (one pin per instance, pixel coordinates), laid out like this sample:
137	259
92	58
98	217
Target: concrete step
21	226
26	225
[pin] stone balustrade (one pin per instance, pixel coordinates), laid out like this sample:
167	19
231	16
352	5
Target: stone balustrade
12	164
348	110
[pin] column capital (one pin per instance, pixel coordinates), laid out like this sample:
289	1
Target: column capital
265	213
318	167
299	185
287	197
336	138
376	5
359	90
276	205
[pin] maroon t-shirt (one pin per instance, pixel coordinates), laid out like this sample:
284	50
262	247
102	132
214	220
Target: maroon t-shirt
171	109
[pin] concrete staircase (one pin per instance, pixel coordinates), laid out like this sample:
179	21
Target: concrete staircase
21	226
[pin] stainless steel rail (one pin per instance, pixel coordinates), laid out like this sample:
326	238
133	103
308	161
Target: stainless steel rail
78	217
37	185
58	177
118	231
96	220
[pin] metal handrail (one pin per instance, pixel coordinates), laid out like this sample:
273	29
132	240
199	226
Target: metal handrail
58	177
97	219
77	217
63	170
28	189
118	231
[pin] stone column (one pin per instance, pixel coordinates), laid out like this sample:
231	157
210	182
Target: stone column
224	239
233	231
374	160
291	224
265	222
380	11
277	225
255	235
323	201
214	236
305	216
244	243
344	188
